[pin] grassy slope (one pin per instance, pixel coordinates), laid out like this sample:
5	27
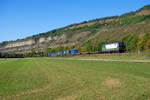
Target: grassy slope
44	78
131	28
132	31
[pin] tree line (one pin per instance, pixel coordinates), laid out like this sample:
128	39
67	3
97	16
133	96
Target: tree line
11	55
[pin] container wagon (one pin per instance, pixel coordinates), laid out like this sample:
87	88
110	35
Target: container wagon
73	51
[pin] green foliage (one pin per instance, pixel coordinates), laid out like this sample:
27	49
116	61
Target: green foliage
57	49
87	46
48	50
11	55
131	42
127	15
147	45
34	54
124	20
143	41
90	46
135	19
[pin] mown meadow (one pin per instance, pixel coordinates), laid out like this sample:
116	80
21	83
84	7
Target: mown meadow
64	79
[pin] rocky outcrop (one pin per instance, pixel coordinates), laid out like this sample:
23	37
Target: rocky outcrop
28	45
20	43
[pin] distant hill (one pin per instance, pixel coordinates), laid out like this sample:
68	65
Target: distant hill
132	28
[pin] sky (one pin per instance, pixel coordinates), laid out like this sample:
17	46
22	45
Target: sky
22	18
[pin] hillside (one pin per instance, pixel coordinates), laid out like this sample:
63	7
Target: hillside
132	28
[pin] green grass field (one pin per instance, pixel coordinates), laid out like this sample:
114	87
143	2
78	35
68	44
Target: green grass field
118	56
57	79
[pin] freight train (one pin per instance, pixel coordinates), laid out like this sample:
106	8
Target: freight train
112	47
63	53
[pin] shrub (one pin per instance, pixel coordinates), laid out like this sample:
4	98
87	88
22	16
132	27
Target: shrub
131	42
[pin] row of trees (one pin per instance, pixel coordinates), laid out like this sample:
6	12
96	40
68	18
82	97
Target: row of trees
14	55
11	55
34	54
91	47
135	42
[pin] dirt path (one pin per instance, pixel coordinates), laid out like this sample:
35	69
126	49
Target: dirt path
107	60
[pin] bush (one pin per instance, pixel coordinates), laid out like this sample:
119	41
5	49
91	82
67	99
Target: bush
11	55
131	42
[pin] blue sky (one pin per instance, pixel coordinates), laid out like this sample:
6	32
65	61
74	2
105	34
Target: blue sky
22	18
